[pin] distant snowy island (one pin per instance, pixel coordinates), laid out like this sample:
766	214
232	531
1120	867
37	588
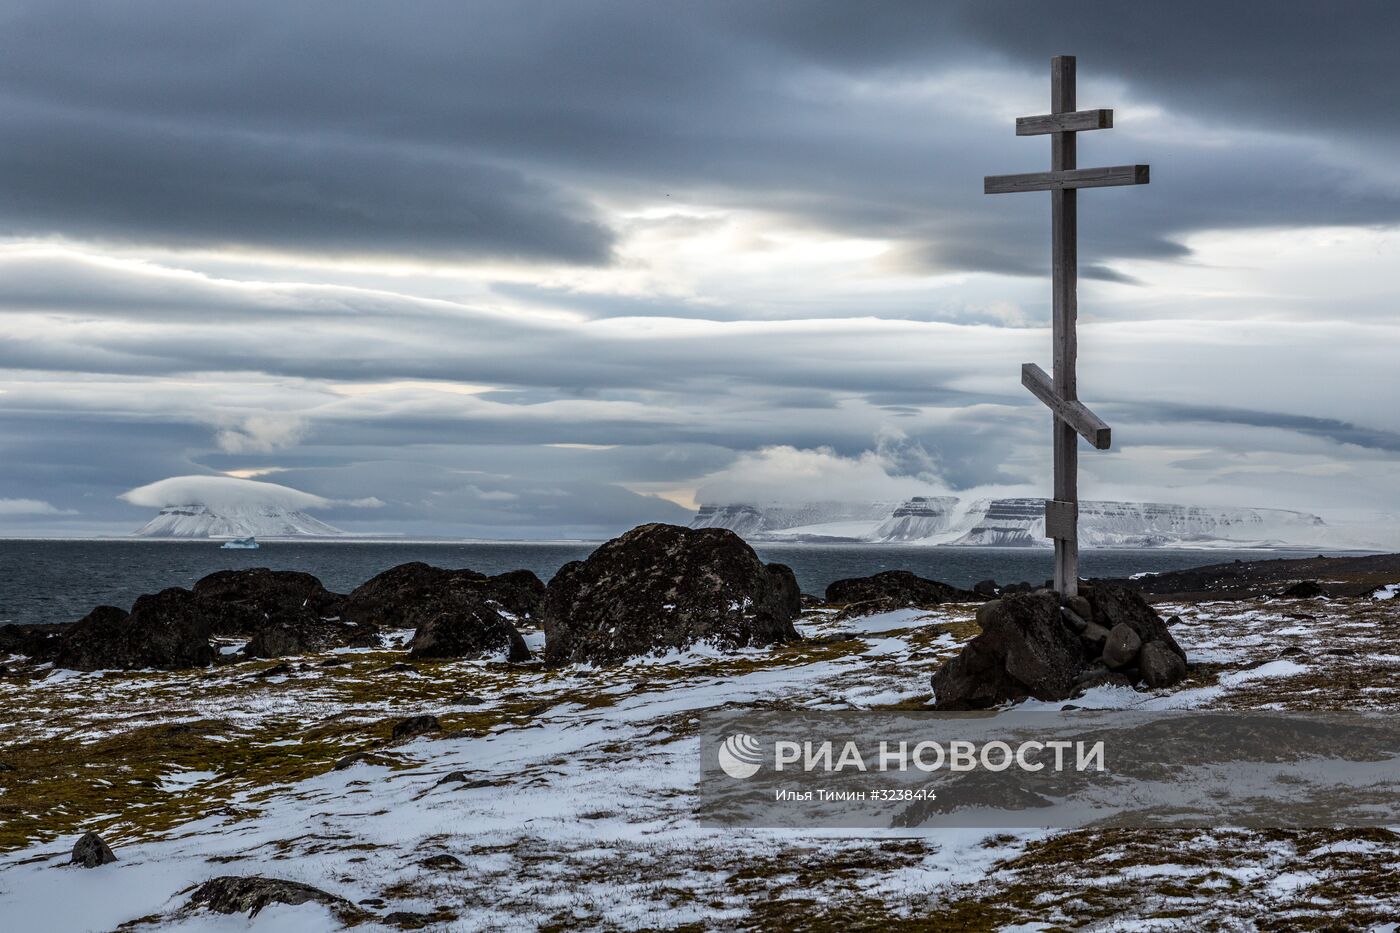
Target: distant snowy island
951	520
198	520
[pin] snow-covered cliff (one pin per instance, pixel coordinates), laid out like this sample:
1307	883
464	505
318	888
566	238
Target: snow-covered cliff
1021	523
839	520
263	521
918	518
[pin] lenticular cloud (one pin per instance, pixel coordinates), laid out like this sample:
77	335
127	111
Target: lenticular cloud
221	493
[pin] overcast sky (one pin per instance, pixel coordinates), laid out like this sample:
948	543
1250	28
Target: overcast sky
553	269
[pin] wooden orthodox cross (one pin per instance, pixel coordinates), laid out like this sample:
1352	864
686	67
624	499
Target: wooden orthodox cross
1062	393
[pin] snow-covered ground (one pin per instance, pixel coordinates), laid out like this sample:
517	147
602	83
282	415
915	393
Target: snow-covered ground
576	803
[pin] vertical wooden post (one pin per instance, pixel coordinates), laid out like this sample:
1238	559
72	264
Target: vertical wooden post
1064	221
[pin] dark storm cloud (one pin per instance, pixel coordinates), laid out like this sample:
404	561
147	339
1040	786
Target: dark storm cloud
446	129
134	180
1331	429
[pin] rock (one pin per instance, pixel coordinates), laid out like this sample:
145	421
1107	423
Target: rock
38	642
453	777
898	586
6	766
408	595
468	699
986	588
868	607
163	631
985	610
242	602
1112	604
1080	606
1160	666
1307	589
235	894
414	726
1024	650
1292	651
788	595
356	758
275	670
412	920
1100	676
1121	647
518	592
467	627
90	851
404	596
1093	638
1077	623
308	636
443	862
659	588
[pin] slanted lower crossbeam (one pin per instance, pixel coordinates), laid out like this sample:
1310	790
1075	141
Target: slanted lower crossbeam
1071	411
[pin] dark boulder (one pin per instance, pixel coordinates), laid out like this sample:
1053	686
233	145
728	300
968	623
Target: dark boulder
407	595
414	726
90	851
361	758
163	630
235	894
308	636
1024	650
518	592
38	642
987	588
1121	646
1160	666
662	587
898	587
243	602
443	862
468	628
402	596
868	607
1306	589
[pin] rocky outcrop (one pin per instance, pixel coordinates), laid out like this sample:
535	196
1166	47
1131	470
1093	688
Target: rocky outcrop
90	851
659	588
162	631
411	594
896	589
249	894
243	602
1031	646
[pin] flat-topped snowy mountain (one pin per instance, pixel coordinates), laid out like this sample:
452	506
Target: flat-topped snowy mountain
243	521
1020	523
814	519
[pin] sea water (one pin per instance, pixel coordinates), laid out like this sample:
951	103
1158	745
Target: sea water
60	581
